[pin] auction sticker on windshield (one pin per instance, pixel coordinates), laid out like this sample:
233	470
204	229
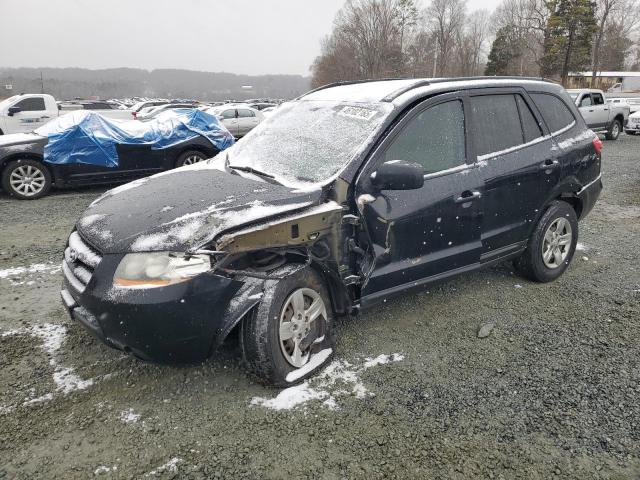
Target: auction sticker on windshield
358	112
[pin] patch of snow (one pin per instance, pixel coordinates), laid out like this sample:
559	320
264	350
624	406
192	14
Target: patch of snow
129	416
104	469
35	401
314	362
34	268
66	381
339	378
581	247
167	208
171	466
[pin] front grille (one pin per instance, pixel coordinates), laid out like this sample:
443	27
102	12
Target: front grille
80	260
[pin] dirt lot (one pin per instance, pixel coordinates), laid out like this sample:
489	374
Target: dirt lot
413	392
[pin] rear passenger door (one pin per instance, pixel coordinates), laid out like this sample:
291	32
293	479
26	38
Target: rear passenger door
517	164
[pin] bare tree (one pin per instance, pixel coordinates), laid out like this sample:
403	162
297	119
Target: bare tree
446	19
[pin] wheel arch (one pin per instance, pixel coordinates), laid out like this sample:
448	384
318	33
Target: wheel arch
24	156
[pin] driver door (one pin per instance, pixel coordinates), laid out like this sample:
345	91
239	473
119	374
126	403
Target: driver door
432	232
33	114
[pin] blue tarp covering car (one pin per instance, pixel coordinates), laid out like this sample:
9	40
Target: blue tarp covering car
86	137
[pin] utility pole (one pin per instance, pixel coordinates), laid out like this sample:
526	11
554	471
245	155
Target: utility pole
41	83
435	60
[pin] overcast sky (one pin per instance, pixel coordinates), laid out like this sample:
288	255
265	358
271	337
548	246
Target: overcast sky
237	36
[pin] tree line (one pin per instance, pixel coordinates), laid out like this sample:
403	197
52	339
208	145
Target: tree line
443	38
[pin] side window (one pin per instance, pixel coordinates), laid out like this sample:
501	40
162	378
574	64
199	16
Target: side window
586	101
496	123
529	123
243	113
555	112
597	99
433	139
34	104
229	114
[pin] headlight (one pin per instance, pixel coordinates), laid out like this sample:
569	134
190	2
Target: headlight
159	269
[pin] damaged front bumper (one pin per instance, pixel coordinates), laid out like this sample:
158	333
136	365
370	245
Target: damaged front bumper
181	323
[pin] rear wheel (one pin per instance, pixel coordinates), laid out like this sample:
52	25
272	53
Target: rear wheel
26	179
189	158
289	337
552	244
614	130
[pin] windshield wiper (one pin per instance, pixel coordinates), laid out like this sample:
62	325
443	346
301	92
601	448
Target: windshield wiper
251	170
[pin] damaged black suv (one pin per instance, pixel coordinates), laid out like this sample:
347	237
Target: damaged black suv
345	197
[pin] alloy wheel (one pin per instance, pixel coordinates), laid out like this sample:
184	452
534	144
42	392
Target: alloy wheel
27	180
557	243
301	325
191	159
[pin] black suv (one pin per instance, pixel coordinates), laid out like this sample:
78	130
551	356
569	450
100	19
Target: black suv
345	197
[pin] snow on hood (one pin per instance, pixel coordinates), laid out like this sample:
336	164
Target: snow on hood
18	138
184	211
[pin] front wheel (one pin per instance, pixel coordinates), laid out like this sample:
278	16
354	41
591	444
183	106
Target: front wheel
26	179
552	244
288	337
189	158
614	130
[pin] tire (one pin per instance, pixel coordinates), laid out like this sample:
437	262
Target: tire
267	352
614	130
26	179
189	158
546	256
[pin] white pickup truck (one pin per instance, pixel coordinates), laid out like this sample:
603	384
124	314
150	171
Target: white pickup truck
600	116
26	112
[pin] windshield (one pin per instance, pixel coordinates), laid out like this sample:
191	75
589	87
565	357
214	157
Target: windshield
309	141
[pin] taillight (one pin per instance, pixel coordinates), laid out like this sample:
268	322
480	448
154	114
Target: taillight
135	115
597	144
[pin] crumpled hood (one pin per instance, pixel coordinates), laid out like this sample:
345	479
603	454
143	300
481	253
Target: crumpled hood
183	209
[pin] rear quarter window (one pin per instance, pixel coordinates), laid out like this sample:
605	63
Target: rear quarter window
554	111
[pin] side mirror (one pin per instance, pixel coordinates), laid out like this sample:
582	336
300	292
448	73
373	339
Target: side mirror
13	111
398	175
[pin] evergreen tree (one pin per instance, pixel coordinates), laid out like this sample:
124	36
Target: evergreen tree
503	52
568	36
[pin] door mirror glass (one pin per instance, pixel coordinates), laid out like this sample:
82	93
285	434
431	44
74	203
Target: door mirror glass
398	175
13	111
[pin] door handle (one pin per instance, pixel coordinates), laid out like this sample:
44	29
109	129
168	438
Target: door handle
549	164
606	109
468	196
44	117
591	110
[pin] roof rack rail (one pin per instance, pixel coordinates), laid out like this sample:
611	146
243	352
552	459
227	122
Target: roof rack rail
422	83
351	82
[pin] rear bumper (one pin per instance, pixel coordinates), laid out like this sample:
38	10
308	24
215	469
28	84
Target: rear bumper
588	196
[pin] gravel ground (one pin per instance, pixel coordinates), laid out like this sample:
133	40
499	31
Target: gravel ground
552	391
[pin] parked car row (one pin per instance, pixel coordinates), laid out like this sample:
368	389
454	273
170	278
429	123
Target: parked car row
85	148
